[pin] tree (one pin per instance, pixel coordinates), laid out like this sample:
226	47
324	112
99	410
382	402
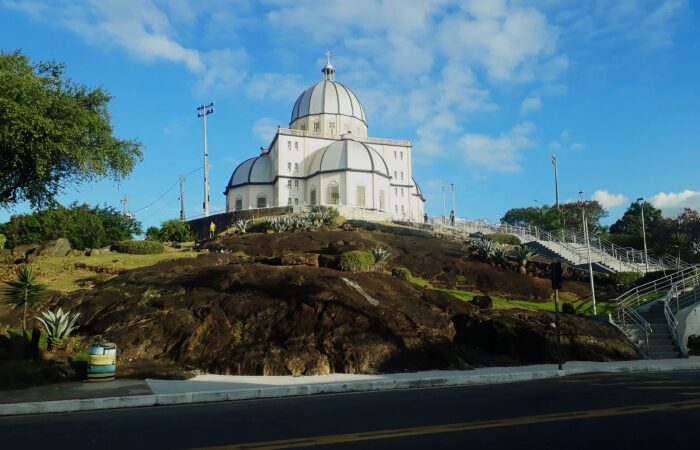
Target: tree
54	132
631	221
174	230
549	218
24	290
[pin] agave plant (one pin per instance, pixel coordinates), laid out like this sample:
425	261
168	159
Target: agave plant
24	290
484	248
242	225
380	254
523	254
500	255
59	325
278	225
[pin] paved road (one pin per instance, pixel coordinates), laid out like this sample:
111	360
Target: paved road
589	411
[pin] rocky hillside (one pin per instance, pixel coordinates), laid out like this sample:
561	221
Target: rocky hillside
258	304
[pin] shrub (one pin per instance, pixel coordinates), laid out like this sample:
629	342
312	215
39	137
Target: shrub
461	279
356	261
242	225
139	247
401	272
83	225
328	215
503	238
484	248
153	234
174	230
3	239
626	278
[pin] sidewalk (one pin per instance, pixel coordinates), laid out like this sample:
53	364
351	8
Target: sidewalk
71	397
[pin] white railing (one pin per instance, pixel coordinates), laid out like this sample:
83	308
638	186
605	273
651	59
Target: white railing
337	137
682	294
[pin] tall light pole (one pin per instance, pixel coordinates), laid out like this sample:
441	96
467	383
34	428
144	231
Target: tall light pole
204	111
454	211
588	247
181	179
644	234
556	180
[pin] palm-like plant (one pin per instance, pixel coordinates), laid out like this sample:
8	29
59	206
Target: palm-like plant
500	255
380	254
242	225
523	254
23	290
59	325
484	248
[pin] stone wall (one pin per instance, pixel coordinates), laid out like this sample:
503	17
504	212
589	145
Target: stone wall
200	226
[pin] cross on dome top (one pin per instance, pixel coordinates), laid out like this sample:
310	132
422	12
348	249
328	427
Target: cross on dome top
328	70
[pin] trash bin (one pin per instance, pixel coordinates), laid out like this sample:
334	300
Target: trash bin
102	365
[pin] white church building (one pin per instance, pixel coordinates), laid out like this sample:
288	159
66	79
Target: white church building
325	157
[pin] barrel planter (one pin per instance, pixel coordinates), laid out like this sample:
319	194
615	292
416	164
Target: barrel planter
102	365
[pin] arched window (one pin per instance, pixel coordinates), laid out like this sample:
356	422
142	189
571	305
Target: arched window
333	194
262	200
239	203
312	195
360	196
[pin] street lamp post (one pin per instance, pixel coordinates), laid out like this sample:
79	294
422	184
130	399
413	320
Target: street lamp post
444	208
454	212
204	111
644	235
588	247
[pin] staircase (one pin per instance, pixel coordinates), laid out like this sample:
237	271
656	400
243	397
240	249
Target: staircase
662	344
647	313
570	247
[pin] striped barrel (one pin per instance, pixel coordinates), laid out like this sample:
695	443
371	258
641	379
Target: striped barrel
102	365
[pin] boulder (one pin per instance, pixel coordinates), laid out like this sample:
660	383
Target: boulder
299	259
482	301
94	252
22	250
57	247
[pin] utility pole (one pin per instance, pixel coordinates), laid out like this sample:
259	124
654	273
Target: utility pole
181	179
444	209
588	246
454	211
205	110
644	234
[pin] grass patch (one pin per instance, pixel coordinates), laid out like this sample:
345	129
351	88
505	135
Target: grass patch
60	273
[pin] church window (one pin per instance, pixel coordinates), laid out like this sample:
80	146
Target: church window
312	196
402	175
395	175
296	201
333	194
402	210
289	166
296	184
296	146
289	184
331	127
239	203
402	192
289	201
262	201
296	167
396	192
303	128
396	208
317	127
360	196
401	156
381	200
289	145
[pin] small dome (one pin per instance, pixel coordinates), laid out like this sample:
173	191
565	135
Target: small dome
328	97
349	155
253	170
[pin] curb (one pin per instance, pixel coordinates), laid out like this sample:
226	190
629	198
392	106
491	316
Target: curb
138	401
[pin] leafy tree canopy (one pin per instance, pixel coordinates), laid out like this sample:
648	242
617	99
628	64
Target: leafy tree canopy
549	218
54	132
631	221
172	230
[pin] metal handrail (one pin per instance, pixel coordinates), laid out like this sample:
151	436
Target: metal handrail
631	318
682	288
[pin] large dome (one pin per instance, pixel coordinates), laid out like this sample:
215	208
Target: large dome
349	155
328	97
254	170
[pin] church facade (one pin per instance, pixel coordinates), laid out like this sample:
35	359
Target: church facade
325	157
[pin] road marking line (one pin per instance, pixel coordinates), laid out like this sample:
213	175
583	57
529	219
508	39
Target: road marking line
661	388
465	426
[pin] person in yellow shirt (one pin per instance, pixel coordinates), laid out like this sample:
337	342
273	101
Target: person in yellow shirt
212	229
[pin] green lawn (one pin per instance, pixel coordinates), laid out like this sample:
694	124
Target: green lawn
61	273
582	307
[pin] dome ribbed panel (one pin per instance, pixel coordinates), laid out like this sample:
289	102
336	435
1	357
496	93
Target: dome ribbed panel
261	170
304	103
316	99
330	99
240	174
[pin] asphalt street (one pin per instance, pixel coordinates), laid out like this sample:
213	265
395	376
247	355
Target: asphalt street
602	411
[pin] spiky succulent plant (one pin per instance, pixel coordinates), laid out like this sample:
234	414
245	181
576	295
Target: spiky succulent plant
242	225
380	254
58	324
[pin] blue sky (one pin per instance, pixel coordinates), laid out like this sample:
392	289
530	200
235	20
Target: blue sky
487	90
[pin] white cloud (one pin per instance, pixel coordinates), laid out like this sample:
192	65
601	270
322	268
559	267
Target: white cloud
500	154
564	142
609	200
265	128
276	86
673	202
530	104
